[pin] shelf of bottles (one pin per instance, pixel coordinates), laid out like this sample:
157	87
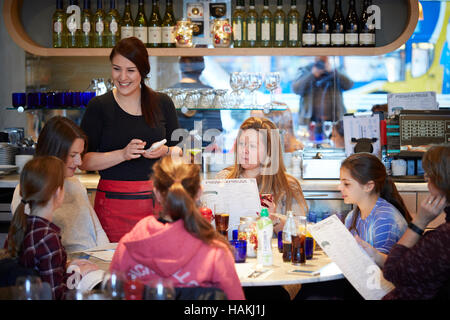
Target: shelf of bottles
263	29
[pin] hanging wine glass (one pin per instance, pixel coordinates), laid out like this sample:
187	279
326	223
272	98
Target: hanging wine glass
272	81
253	83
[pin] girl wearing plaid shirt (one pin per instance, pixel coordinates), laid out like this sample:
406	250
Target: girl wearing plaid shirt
32	237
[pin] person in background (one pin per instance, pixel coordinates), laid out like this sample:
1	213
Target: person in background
33	238
418	265
191	69
320	88
337	135
121	125
380	215
259	155
77	220
181	245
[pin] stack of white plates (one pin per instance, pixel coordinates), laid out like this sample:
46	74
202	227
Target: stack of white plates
7	153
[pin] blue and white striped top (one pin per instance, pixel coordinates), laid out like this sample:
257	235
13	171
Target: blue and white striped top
383	227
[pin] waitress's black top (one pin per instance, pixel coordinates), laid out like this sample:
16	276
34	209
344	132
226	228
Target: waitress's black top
108	128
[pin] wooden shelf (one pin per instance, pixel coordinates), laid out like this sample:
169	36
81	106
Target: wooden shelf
11	15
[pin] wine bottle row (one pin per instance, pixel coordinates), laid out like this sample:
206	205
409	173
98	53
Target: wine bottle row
74	27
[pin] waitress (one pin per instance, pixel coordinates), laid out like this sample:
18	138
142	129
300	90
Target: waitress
121	125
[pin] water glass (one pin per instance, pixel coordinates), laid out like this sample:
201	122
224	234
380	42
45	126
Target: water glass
113	285
159	289
239	250
19	99
28	288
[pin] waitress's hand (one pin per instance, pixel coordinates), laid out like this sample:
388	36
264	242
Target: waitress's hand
157	153
134	149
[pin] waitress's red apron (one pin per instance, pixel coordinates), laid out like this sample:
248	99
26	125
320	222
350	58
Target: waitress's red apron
121	204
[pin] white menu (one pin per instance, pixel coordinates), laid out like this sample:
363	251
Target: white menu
238	197
412	101
359	269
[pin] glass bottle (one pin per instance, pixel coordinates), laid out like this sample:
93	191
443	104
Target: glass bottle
279	20
337	26
127	23
293	19
309	26
366	32
266	25
99	23
168	27
351	26
154	26
289	230
113	27
73	25
86	25
140	23
59	34
252	26
238	25
323	26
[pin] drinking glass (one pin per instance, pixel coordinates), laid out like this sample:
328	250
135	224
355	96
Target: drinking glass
219	98
271	82
327	129
253	83
159	289
113	285
28	288
237	83
239	250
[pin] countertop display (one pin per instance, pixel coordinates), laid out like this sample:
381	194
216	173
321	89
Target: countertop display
90	181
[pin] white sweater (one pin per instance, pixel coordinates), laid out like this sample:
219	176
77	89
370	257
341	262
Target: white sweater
80	227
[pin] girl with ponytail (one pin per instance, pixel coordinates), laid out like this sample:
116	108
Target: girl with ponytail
180	245
121	126
380	216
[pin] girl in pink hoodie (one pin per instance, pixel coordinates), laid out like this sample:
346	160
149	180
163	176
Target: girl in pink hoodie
187	250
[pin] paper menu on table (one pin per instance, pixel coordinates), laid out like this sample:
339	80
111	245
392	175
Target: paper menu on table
238	197
340	245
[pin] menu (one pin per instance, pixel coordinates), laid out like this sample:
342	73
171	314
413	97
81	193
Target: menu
237	197
412	101
359	269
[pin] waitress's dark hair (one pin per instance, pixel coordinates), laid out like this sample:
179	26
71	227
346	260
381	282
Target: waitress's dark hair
57	137
366	167
179	183
134	50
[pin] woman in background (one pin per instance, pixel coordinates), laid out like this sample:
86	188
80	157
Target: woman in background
79	224
181	245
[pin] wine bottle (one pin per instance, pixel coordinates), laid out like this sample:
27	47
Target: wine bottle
279	20
140	23
127	23
154	26
73	25
323	25
99	24
366	31
86	25
309	26
59	26
252	26
337	26
168	26
351	26
293	19
266	26
112	23
238	25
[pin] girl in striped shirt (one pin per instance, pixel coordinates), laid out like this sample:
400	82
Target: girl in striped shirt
380	215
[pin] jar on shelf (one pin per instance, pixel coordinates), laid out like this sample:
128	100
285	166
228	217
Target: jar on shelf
247	231
183	33
221	32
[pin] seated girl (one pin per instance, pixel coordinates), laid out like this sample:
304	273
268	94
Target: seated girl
182	245
259	155
33	238
380	216
79	224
